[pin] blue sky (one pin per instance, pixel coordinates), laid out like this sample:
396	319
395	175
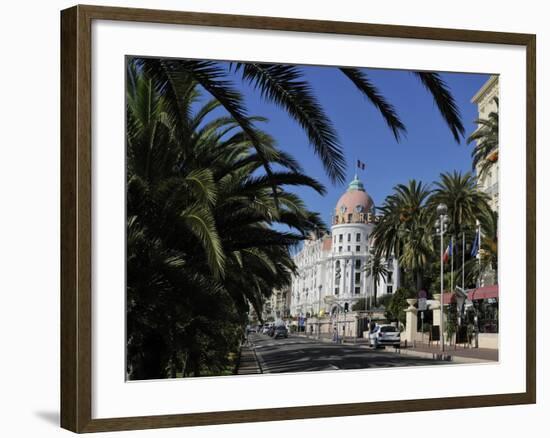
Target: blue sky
427	150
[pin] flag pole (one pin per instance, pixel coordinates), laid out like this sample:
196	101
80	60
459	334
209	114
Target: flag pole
452	263
463	252
479	253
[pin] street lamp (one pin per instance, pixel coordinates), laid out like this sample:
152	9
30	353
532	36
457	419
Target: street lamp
319	314
441	225
345	322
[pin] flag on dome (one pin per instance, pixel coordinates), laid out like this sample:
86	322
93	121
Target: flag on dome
360	165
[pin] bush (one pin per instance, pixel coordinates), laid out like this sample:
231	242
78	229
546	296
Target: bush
395	310
385	300
361	304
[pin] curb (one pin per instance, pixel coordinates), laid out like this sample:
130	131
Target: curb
448	357
258	362
253	360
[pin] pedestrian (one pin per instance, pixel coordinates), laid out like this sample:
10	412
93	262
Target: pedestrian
335	335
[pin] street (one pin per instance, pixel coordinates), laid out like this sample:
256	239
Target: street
297	354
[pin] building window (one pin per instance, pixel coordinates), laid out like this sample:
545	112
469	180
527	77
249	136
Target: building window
357	277
357	264
349	248
341	238
390	277
339	249
336	291
389	289
357	290
349	217
349	237
358	237
358	248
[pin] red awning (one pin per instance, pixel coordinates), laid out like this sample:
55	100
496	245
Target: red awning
448	298
483	293
480	293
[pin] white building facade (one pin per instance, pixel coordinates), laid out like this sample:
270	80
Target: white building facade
332	274
485	101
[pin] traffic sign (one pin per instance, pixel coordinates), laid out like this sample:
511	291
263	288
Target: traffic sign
422	300
422	304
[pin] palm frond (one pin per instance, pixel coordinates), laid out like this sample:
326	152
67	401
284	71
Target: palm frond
201	223
387	110
283	85
444	100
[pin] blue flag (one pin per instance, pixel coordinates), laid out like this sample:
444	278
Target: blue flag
475	245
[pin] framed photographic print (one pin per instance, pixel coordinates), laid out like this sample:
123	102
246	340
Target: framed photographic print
318	211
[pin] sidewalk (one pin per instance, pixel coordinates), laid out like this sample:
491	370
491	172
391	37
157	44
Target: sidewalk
457	354
248	362
326	337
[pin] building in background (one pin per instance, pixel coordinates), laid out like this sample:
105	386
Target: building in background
485	101
331	274
278	306
488	181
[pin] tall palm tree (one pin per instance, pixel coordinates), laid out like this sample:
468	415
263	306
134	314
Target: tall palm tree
466	205
465	202
285	86
376	268
485	151
487	261
201	244
418	248
404	229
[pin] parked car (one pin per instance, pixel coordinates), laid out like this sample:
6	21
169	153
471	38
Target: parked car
251	329
265	329
271	331
280	332
384	335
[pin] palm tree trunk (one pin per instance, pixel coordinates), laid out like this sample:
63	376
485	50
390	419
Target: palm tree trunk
419	280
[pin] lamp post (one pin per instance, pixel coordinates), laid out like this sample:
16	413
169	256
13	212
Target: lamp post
319	314
345	323
441	225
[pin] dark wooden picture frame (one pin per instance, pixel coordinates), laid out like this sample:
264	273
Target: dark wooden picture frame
76	218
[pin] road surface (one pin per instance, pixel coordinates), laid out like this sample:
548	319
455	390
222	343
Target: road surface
297	354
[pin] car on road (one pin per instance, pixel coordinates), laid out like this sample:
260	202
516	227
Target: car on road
265	329
280	332
251	329
384	334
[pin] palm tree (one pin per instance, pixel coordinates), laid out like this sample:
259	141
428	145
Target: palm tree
466	206
465	202
376	268
201	244
418	248
285	86
404	229
486	150
475	267
489	241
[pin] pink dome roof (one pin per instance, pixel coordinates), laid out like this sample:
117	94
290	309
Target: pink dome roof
354	197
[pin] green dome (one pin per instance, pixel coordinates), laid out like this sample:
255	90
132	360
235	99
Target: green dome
356	184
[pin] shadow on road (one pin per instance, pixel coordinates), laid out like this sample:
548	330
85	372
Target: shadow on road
296	354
